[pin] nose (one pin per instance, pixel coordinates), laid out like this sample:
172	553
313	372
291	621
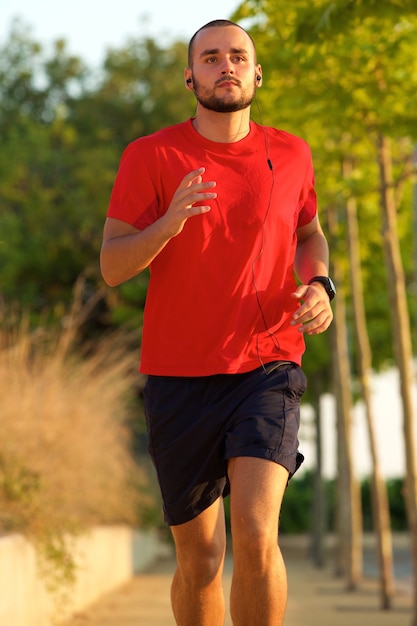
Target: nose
227	67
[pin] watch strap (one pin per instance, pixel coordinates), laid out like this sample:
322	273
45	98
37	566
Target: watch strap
327	284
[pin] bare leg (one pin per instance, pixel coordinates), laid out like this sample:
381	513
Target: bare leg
259	586
197	593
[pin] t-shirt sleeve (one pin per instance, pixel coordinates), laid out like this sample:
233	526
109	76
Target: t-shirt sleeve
134	197
308	197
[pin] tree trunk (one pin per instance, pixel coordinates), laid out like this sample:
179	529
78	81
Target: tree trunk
402	338
318	552
349	514
380	508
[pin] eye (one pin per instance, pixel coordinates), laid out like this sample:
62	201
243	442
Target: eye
211	59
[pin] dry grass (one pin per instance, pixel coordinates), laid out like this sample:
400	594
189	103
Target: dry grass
65	460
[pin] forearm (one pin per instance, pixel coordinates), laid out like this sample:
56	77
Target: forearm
127	254
312	257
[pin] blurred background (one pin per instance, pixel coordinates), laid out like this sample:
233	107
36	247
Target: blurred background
77	84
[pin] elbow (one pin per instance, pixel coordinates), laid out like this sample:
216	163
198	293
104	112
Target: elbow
110	282
112	274
108	273
109	279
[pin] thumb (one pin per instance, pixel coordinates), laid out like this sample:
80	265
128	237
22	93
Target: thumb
300	292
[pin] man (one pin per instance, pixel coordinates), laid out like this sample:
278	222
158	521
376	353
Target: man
223	211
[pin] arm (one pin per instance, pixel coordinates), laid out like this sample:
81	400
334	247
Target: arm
312	259
127	251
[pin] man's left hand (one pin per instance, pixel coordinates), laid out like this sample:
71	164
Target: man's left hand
315	313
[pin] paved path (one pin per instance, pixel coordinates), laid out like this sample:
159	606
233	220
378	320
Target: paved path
316	598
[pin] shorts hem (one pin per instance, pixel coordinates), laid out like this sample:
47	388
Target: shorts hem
291	462
182	517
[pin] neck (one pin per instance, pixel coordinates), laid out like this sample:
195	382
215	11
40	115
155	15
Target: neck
222	127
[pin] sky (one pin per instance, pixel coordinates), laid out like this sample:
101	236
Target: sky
92	26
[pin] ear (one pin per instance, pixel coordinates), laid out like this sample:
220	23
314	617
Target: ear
188	78
258	76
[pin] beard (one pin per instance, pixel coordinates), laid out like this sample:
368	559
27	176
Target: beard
209	100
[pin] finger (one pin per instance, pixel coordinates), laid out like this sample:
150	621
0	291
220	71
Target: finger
184	199
319	329
196	192
195	178
198	210
300	292
309	311
305	313
191	176
191	199
318	325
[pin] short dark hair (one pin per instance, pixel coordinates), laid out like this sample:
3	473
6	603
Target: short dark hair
214	24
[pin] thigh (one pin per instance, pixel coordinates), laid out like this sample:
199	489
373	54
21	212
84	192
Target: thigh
257	487
202	539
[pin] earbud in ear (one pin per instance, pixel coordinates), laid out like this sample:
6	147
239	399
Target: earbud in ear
258	78
189	81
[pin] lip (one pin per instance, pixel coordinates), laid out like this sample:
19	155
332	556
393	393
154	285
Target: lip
227	83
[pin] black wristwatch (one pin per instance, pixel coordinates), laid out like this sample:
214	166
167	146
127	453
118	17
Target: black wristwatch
327	284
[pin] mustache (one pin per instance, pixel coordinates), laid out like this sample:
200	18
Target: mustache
228	79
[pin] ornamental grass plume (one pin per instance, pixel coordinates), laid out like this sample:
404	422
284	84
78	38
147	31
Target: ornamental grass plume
65	452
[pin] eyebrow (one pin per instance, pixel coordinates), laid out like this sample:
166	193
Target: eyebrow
216	51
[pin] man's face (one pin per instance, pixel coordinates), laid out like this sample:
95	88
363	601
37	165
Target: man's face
224	70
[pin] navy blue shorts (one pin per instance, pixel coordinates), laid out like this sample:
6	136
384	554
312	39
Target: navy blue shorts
195	424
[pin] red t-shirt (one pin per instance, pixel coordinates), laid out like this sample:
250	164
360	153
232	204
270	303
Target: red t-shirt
219	295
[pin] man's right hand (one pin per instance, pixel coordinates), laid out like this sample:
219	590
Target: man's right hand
127	251
191	190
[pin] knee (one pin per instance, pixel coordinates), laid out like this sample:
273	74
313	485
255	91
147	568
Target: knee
200	564
254	542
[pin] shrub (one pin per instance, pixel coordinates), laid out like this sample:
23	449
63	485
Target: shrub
66	460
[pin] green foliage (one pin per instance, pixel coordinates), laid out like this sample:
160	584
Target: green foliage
59	569
396	500
296	516
396	497
316	366
63	133
323	18
297	506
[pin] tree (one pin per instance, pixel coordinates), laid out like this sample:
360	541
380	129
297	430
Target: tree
402	338
388	52
47	231
380	508
349	514
64	129
352	68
